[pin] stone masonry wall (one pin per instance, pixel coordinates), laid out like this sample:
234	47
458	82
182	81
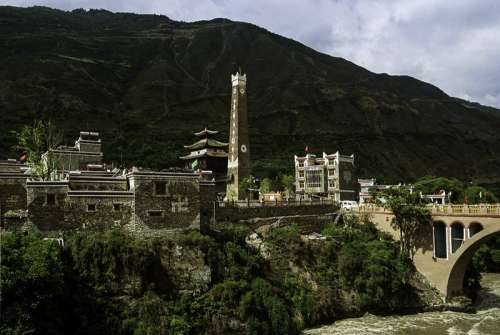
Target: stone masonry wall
12	194
235	214
71	211
178	208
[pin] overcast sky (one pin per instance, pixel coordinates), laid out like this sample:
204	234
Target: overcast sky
454	44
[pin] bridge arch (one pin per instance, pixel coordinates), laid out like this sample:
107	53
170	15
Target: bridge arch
460	259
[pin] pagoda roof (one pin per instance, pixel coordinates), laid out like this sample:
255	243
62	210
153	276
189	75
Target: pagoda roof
206	132
206	142
204	153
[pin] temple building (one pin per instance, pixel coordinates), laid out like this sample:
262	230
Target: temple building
330	176
207	153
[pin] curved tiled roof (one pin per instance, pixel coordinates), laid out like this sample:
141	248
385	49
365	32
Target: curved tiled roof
206	142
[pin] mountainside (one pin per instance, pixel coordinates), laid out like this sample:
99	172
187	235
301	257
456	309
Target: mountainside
147	82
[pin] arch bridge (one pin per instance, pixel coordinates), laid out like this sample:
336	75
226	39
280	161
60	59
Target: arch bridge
443	249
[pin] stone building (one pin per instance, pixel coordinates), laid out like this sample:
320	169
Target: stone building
330	176
238	165
85	194
12	187
208	154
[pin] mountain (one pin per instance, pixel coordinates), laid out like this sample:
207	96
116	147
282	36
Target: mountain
147	82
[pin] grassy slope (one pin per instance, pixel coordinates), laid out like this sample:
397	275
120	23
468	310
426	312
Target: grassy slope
147	82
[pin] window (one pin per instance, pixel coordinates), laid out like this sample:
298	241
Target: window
331	162
331	183
160	188
91	208
301	164
301	184
117	207
51	199
301	174
313	178
155	213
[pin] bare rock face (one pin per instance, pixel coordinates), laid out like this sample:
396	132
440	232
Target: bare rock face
145	82
187	268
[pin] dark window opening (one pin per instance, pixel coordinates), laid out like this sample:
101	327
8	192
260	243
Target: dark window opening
51	199
155	213
232	179
160	188
91	208
440	240
474	228
117	207
457	236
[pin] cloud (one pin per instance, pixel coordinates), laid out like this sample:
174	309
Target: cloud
454	44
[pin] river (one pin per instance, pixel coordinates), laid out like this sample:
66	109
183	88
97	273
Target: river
485	322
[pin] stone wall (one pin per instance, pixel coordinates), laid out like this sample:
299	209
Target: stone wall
307	223
77	210
208	194
98	183
175	207
12	193
237	214
75	160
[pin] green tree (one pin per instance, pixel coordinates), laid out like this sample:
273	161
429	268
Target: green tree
432	185
478	194
265	185
32	285
248	183
37	142
410	214
288	182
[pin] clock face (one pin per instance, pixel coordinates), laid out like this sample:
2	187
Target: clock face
243	148
242	91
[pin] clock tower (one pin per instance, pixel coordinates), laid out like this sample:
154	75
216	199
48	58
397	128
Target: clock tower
238	163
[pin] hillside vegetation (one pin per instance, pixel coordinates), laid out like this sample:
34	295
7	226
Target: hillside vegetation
110	283
146	82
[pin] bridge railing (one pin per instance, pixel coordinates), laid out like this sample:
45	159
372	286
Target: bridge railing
480	209
450	209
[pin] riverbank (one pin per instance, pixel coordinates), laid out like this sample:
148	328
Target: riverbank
486	320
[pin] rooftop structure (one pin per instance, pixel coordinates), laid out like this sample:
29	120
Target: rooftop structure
86	151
